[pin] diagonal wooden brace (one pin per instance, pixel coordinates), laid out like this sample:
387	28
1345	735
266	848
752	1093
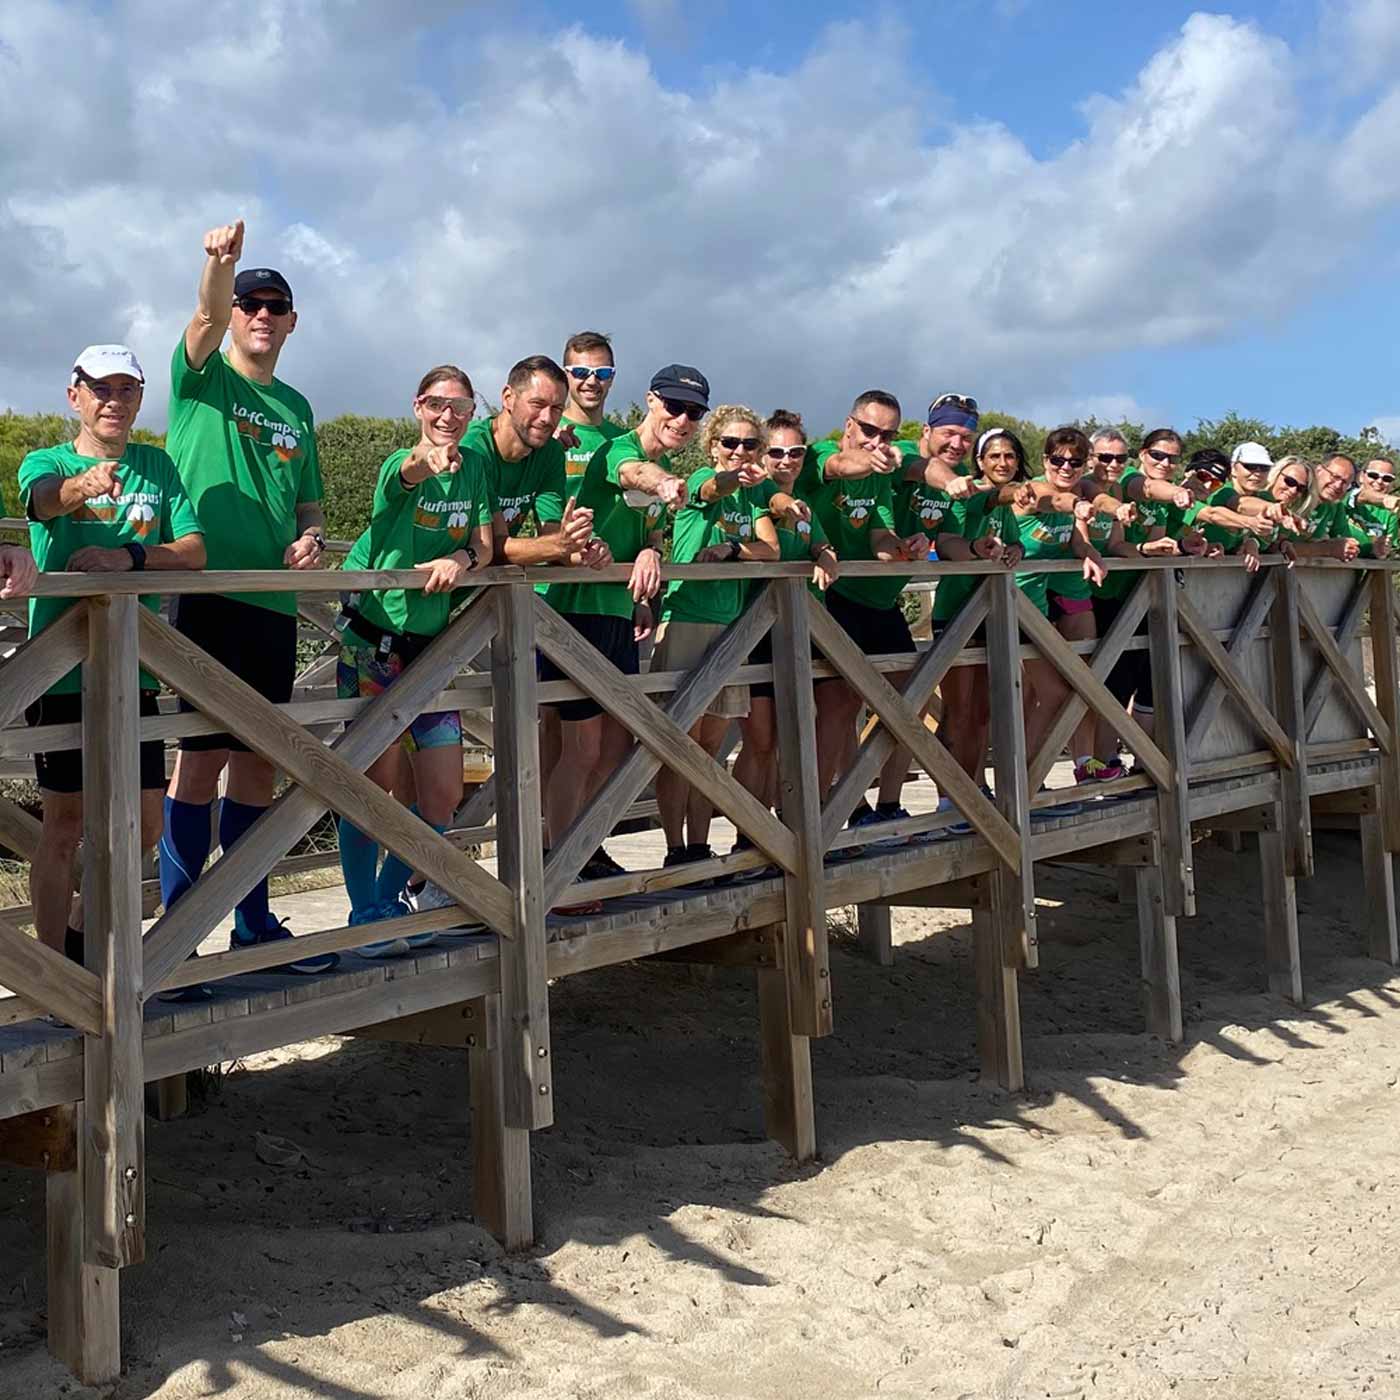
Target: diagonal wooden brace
1350	682
1242	636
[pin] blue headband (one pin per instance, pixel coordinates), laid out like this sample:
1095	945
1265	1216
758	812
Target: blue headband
950	415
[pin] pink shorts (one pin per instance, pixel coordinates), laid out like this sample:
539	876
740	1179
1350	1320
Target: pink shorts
1069	606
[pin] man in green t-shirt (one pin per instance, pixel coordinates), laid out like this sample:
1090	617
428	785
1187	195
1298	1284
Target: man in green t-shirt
1330	532
98	504
591	371
629	485
1372	502
245	447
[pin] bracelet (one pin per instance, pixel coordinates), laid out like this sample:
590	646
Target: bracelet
316	537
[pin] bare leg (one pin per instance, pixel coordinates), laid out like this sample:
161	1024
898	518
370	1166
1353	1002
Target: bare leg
51	870
699	812
896	767
1080	627
837	707
580	742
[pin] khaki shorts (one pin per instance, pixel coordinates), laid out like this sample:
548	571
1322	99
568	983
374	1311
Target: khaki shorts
681	646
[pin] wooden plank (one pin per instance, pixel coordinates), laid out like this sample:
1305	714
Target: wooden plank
1378	875
1111	647
1053	648
971	892
340	785
455	1027
1282	959
524	1002
1012	901
45	1141
789	1110
908	729
1286	649
1352	687
807	965
572	851
180	931
16	1009
83	1299
1320	687
998	1006
873	933
49	980
500	1153
1178	883
923	680
41	661
761	948
113	1144
1161	973
1387	677
1125	851
1204	640
169	1098
18	830
1245	630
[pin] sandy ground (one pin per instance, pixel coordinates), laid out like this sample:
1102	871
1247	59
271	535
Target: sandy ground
1215	1220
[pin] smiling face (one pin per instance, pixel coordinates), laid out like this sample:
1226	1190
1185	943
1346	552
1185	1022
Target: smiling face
748	443
1249	478
947	444
535	409
262	335
1063	467
107	408
874	425
443	410
1290	483
1160	461
671	422
783	470
1334	479
1115	451
587	396
998	461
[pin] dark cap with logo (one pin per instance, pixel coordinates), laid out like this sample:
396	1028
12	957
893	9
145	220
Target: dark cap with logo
260	279
683	383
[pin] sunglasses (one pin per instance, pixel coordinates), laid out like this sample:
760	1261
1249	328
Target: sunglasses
1215	472
459	408
869	430
1158	455
776	454
105	393
604	374
674	408
274	306
1380	476
733	444
1301	486
962	401
1062	462
1110	459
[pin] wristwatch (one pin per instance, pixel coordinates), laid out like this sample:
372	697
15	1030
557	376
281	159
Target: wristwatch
735	548
138	555
318	537
472	559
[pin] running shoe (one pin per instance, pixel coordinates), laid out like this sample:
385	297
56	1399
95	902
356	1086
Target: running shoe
601	866
1070	807
384	947
874	817
1097	771
278	932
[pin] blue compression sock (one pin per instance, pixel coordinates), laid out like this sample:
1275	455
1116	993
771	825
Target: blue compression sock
359	862
251	916
184	847
393	874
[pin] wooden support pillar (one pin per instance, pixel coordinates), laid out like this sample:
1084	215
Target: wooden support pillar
168	1098
1282	962
1386	670
1127	885
789	1115
500	1153
1161	974
112	1144
84	1299
873	930
1228	840
524	1006
1178	881
1378	874
1286	646
998	1004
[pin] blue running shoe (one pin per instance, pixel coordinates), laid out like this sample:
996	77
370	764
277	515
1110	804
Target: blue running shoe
385	947
278	932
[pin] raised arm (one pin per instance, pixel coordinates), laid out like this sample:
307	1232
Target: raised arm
205	333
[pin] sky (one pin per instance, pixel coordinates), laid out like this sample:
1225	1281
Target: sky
1063	207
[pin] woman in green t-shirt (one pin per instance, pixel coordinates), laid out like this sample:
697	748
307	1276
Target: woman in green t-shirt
432	512
722	521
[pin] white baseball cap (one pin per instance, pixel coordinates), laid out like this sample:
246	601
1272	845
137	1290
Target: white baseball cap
1251	454
98	361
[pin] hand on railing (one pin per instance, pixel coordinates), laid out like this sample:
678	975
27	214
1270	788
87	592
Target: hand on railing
646	575
1166	547
445	574
1094	570
93	559
825	567
1249	551
988	547
17	571
575	529
304	552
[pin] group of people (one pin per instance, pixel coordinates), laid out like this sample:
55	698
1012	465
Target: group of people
549	479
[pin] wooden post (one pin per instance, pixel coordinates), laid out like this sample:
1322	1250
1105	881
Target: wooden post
998	1005
112	1144
524	1048
789	1114
1282	962
1013	891
873	933
84	1299
169	1098
806	963
1286	647
1387	677
500	1154
1178	885
1161	975
1378	874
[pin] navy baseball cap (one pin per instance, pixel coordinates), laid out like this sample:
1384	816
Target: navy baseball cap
683	383
260	279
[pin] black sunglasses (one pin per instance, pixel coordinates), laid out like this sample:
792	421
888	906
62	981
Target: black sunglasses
1058	461
1109	459
274	306
871	431
674	408
1301	486
733	444
1158	455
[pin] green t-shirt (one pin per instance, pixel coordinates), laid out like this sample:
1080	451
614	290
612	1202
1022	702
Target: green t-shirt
849	510
972	518
1043	536
528	491
625	520
1151	514
590	439
793	545
1377	522
698	526
1228	538
1331	520
246	453
416	525
151	509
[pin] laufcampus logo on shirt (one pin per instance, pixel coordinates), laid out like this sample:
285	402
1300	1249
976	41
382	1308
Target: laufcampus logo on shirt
282	437
1059	534
512	507
739	526
643	501
142	512
856	509
931	511
452	516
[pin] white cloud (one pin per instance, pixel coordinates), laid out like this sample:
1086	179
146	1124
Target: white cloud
796	235
1363	36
